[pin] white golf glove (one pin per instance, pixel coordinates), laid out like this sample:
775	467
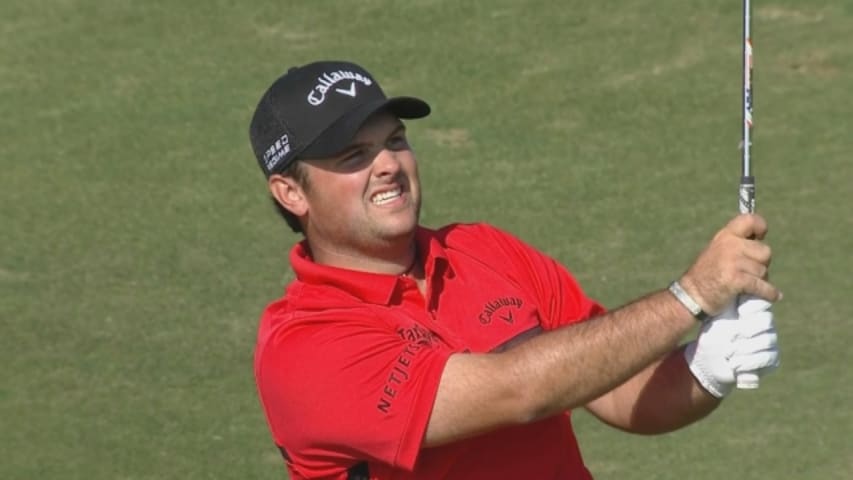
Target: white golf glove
728	345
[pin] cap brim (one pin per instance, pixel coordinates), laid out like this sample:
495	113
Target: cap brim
338	136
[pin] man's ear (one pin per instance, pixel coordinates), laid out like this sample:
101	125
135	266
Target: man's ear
288	193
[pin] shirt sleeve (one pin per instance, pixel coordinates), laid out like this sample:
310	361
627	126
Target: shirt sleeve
338	391
560	296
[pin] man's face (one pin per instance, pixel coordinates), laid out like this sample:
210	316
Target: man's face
368	196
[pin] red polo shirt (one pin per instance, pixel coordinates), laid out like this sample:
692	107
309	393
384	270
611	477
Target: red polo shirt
348	363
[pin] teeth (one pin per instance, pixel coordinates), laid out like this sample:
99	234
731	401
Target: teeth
385	197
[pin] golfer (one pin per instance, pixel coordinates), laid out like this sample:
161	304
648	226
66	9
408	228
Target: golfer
405	352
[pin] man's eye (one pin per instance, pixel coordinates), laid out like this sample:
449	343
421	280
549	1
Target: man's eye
398	142
353	157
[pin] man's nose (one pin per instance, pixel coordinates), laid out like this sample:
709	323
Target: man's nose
386	162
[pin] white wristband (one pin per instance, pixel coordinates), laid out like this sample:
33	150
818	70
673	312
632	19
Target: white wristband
685	299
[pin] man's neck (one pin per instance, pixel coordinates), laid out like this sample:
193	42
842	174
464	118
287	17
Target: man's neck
399	259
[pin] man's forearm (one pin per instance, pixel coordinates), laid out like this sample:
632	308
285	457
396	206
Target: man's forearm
661	398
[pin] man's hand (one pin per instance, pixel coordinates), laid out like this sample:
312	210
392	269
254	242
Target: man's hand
728	345
735	262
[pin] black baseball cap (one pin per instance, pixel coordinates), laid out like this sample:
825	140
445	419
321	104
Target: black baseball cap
315	110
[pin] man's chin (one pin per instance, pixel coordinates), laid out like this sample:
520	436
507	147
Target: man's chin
399	231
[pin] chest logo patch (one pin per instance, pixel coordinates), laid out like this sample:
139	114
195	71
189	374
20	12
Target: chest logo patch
501	308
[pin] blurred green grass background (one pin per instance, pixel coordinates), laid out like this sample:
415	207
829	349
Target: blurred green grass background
138	246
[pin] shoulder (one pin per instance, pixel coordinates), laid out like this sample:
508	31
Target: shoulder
476	237
459	230
304	313
305	307
487	244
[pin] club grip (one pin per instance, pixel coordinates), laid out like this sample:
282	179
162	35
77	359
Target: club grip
746	306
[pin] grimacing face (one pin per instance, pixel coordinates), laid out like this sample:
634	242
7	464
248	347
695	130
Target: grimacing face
367	197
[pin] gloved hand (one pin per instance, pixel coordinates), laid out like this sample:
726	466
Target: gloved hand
728	345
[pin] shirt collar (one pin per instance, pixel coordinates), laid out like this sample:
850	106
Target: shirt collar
373	288
431	247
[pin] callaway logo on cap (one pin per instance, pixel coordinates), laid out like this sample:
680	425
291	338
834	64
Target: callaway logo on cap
315	110
328	80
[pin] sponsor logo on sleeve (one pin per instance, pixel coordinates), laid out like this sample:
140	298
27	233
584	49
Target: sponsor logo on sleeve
417	338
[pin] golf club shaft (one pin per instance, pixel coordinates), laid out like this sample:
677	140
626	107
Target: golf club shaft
746	194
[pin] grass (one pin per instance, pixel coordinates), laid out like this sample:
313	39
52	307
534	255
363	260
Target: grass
137	245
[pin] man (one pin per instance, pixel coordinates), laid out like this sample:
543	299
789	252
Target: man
409	353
